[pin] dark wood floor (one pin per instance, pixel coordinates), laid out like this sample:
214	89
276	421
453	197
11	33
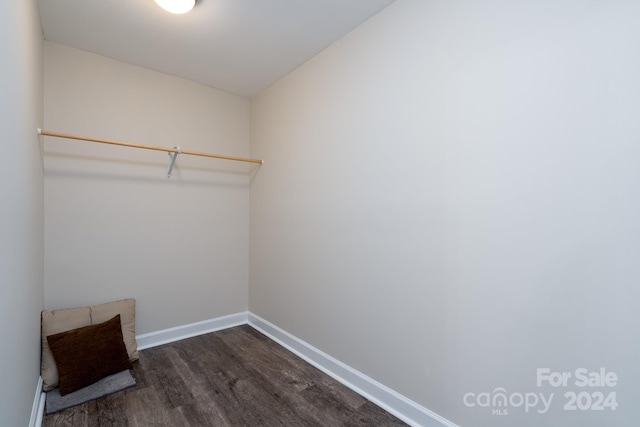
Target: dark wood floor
234	377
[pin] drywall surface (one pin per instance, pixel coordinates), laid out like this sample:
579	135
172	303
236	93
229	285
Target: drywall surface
21	209
450	205
116	226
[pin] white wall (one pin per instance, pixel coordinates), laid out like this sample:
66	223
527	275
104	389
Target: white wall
115	225
21	209
450	200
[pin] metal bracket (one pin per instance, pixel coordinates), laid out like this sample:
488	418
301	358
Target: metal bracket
172	160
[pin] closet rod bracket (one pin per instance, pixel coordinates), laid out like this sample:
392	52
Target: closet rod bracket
172	160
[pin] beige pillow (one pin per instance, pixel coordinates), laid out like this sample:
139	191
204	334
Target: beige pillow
56	321
126	308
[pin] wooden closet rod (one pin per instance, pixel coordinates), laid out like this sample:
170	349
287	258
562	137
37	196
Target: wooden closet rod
145	146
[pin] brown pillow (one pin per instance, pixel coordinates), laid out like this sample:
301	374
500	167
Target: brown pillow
57	321
88	354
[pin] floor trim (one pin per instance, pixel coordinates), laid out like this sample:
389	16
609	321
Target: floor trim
37	409
166	336
388	399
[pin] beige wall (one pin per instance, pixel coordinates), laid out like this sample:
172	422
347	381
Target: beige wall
450	201
115	225
21	209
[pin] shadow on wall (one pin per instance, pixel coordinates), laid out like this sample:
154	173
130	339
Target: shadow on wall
219	176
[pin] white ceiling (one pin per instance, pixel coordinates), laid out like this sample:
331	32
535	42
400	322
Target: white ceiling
240	46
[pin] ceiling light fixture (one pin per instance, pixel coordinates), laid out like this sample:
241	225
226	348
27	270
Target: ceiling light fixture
177	6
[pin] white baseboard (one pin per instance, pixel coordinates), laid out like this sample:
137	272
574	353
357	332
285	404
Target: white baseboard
166	336
37	409
391	401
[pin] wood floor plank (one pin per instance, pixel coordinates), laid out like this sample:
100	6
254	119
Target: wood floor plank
174	392
190	415
144	408
76	416
283	378
297	370
234	377
107	411
332	411
203	408
378	416
219	372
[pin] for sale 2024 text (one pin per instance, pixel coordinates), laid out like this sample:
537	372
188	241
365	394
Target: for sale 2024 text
585	400
584	390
